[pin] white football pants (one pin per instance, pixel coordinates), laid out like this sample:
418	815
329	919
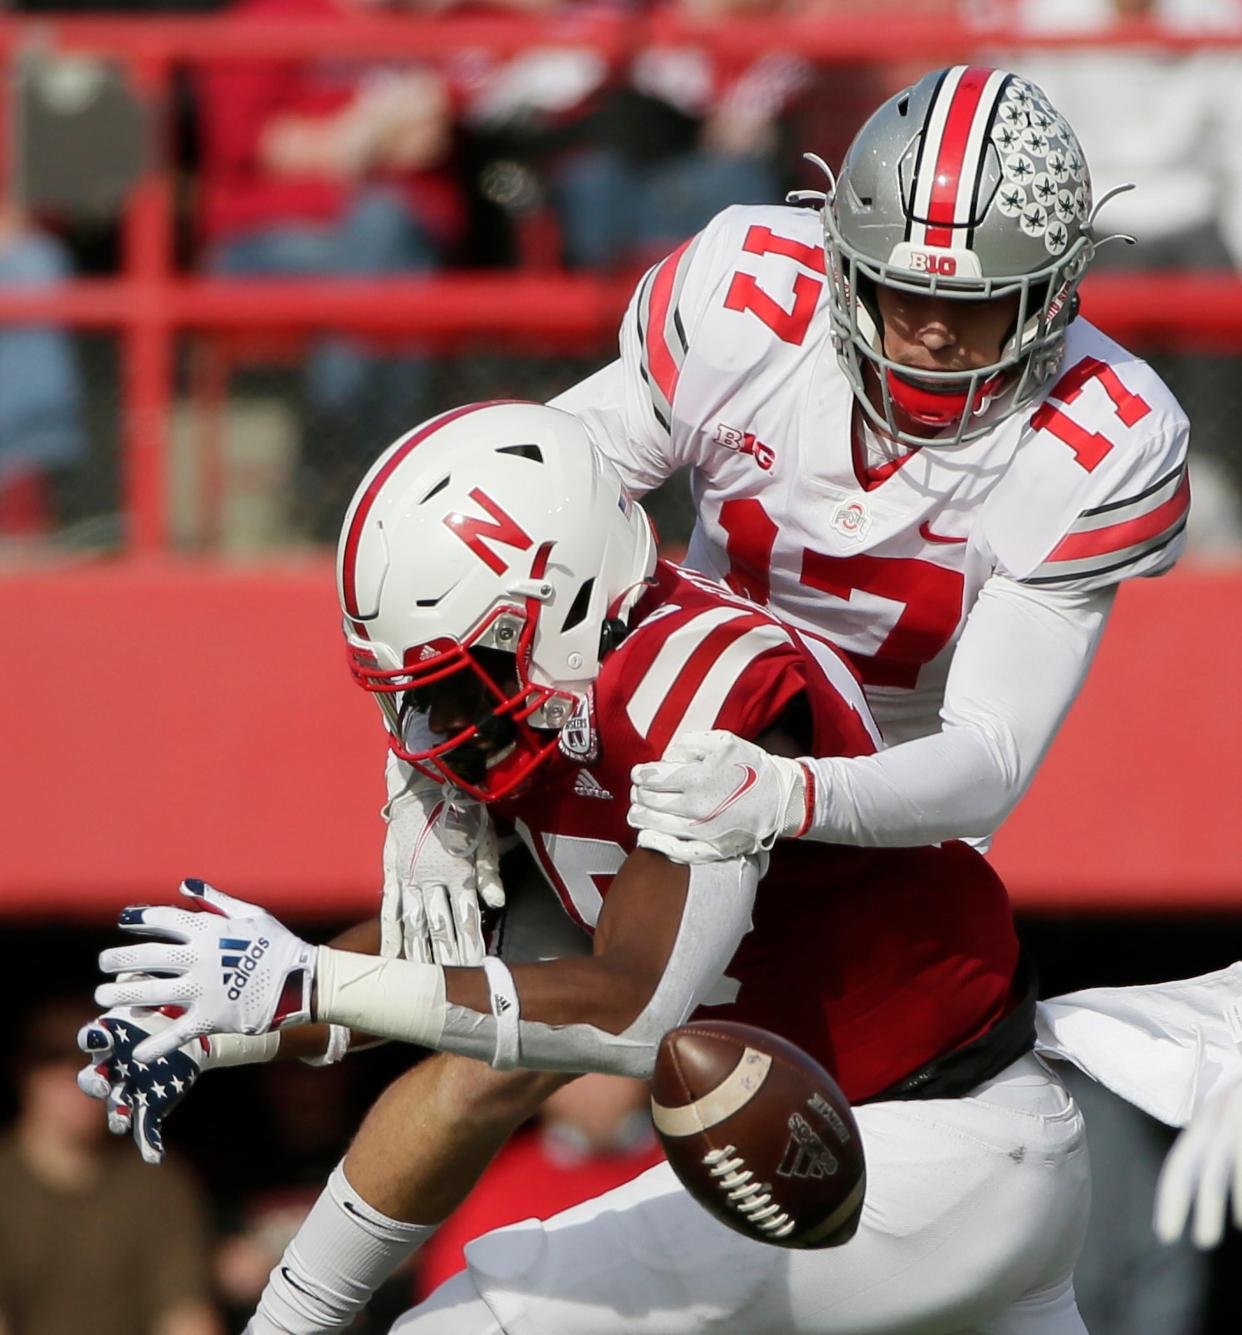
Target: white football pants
974	1216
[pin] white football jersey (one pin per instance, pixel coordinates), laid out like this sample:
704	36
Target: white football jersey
728	369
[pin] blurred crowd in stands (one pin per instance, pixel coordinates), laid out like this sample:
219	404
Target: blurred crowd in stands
560	158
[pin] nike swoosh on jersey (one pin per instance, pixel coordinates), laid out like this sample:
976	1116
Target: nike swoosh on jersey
928	536
749	779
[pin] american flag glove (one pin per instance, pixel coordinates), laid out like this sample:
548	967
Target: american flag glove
139	1096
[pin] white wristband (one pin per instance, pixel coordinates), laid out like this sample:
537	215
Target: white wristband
398	999
507	1011
338	1046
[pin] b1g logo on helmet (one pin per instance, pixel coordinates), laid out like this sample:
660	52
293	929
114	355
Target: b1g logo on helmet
942	262
929	261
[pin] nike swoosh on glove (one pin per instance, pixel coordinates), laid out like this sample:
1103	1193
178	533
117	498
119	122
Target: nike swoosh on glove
713	795
231	967
1202	1171
440	861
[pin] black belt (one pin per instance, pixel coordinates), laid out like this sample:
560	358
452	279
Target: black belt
953	1074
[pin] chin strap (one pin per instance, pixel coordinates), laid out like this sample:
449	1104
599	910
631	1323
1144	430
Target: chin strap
939	408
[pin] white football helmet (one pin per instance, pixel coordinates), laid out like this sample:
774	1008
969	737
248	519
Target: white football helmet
485	563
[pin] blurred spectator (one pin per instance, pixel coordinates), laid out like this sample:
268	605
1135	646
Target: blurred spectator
90	1237
331	167
40	394
592	1135
637	160
1170	123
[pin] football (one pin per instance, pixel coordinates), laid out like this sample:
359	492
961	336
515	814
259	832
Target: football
759	1134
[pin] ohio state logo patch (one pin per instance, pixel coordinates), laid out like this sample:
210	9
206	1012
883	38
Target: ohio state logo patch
851	520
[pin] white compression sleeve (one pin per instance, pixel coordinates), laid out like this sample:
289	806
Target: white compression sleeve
406	1000
1019	664
343	1252
715	918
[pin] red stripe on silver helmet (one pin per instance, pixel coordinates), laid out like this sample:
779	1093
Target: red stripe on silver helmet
955	137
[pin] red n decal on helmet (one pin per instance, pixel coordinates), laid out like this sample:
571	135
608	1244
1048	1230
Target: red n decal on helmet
501	528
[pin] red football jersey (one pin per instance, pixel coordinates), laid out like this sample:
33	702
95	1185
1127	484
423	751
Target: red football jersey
873	960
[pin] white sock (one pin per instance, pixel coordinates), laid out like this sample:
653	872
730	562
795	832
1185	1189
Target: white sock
343	1252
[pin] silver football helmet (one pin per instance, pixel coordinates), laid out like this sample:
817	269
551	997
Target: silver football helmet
970	185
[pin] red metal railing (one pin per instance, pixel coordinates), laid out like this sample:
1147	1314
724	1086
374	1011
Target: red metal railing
149	304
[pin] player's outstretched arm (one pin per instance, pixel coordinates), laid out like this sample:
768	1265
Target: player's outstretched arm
662	942
659	947
663	939
1019	664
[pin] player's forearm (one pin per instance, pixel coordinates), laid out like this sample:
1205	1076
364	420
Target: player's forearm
946	786
603	1013
1015	673
411	1002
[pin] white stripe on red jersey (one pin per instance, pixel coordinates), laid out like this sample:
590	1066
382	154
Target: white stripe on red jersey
674	654
696	669
708	700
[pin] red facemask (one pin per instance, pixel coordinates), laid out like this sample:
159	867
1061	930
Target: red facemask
499	715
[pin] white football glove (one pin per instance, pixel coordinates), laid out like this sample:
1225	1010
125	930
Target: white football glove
235	969
1203	1169
440	860
713	795
138	1096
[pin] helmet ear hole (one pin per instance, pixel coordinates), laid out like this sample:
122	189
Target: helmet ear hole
578	608
869	299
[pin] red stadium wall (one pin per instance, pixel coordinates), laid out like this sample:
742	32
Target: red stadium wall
172	719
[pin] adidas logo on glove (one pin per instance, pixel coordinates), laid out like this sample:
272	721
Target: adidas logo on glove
238	968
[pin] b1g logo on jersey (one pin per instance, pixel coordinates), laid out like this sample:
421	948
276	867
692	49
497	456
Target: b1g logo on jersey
744	442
